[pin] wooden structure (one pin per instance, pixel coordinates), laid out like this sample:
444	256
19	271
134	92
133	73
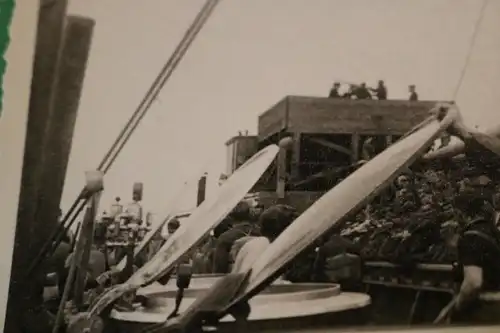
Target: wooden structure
239	149
328	136
60	60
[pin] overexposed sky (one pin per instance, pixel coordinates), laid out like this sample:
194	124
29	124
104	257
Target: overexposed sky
250	54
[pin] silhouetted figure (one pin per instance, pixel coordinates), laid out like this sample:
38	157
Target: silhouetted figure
241	227
334	92
362	92
381	91
350	92
413	93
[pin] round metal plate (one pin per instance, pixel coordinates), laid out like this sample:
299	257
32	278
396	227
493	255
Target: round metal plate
279	301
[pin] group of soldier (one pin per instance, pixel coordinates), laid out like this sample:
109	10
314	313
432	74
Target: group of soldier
361	91
446	215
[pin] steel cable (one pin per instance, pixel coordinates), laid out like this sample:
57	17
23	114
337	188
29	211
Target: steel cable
472	43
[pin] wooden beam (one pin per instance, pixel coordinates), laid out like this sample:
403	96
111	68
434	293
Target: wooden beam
79	260
50	25
355	139
331	145
202	188
281	171
296	158
68	89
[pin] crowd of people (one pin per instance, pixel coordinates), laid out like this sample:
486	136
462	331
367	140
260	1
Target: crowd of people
362	91
421	217
410	222
444	213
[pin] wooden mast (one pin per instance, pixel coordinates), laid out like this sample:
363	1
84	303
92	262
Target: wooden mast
58	73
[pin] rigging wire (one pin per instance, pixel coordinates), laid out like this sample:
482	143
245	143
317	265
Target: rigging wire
472	44
129	128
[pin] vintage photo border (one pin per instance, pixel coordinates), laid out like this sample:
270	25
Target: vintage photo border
15	100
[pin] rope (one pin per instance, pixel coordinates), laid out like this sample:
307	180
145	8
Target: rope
470	48
129	128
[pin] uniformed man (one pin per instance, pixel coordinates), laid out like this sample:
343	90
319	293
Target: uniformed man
478	247
334	92
172	227
338	260
413	93
272	222
381	91
362	92
350	92
241	227
116	209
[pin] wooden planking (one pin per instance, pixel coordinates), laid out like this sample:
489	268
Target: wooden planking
273	120
301	114
350	116
326	115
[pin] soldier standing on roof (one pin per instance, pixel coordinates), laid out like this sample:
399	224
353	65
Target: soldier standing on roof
413	93
362	92
380	91
350	92
334	92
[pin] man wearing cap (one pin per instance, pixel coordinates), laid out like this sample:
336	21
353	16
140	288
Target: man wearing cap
380	91
362	92
241	227
272	222
172	227
413	93
334	92
478	249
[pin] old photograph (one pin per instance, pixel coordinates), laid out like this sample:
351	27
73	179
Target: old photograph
259	166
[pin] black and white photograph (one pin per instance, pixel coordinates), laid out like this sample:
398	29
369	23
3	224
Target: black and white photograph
256	166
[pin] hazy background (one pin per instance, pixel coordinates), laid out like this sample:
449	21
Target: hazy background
250	54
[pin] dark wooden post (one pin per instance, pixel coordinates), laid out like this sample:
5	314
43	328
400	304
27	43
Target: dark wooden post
48	40
69	83
202	188
285	144
355	147
296	158
56	87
